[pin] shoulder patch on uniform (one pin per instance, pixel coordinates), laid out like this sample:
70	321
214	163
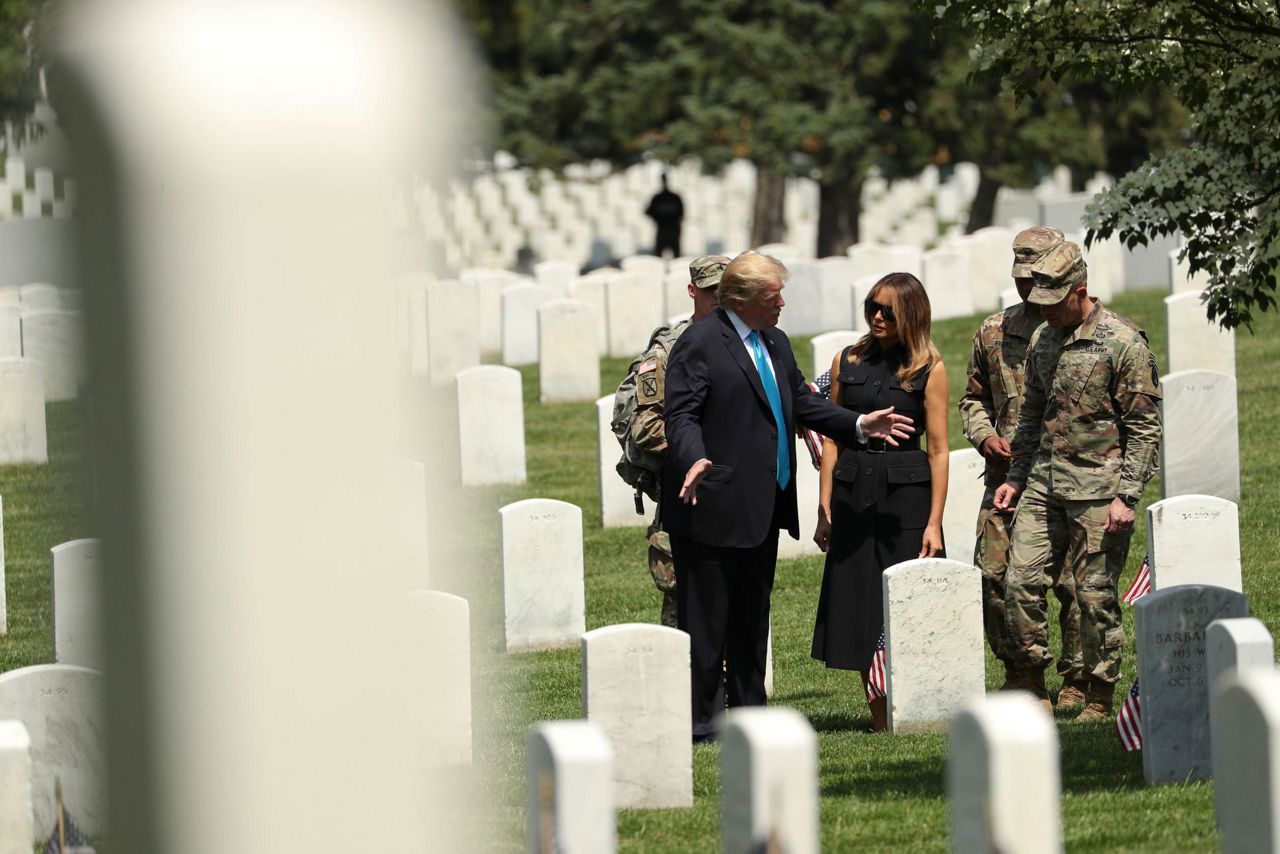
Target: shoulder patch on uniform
648	382
648	364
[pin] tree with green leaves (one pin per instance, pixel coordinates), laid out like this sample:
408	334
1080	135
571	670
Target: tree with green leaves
22	24
1222	60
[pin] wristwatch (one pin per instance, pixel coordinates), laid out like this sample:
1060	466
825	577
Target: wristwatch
1130	501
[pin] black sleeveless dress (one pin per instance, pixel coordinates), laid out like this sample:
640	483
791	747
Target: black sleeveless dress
880	497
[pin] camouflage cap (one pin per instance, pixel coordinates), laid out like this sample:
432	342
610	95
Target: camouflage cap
705	272
1030	246
1061	269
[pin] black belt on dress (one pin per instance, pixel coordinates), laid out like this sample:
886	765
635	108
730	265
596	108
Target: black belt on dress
882	446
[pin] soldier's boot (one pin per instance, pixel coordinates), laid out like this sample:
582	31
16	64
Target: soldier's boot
1099	705
879	714
1032	681
1071	695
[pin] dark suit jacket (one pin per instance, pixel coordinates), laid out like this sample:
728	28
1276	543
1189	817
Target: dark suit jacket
716	408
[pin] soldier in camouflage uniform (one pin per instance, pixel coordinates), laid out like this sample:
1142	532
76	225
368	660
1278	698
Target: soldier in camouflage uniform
1086	444
989	410
647	429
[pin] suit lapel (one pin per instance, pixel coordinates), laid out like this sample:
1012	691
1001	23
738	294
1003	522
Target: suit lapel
738	351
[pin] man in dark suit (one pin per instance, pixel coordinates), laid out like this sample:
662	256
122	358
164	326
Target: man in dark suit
734	396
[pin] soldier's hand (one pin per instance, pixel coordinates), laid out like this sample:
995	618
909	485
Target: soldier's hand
995	448
822	534
884	424
1120	517
689	491
1006	497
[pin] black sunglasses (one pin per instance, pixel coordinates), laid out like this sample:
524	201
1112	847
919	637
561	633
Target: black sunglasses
885	310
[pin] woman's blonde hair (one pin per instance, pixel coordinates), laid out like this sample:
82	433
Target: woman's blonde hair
747	275
910	303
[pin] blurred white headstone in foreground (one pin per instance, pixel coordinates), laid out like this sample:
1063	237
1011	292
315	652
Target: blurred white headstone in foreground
234	160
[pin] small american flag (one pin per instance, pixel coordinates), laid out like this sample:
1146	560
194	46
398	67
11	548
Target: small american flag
812	438
1141	585
1129	720
75	838
876	686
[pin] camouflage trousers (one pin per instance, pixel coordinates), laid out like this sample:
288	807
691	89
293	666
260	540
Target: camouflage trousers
991	556
663	569
1048	534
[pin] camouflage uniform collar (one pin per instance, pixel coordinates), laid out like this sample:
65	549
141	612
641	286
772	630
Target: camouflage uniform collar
1018	322
1089	325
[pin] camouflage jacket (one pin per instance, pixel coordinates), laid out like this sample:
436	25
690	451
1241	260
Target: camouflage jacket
993	396
1090	421
646	428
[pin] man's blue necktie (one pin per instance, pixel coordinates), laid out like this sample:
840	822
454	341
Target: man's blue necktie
775	403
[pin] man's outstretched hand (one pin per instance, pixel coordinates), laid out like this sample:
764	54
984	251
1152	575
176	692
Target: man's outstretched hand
689	491
884	424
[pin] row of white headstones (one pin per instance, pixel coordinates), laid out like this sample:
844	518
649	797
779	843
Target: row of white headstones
32	190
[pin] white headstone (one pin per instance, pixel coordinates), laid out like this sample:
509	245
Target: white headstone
61	707
1246	762
617	499
1003	777
1200	449
556	276
965	489
1181	279
769	774
947	280
453	321
635	685
1194	539
520	304
17	833
44	183
807	484
440	668
1195	342
635	306
802	314
491	425
869	259
1009	298
489	286
50	339
23	438
569	806
835	276
591	288
40	296
933	641
904	258
4	602
675	290
828	345
15	174
648	266
862	289
76	568
568	352
542	587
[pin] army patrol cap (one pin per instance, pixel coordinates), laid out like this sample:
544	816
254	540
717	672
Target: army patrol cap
1061	269
705	272
1030	246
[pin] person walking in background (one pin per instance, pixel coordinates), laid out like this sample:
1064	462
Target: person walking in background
733	397
1087	442
989	410
880	503
667	212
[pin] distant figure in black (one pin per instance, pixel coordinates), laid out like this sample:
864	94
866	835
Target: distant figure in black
666	210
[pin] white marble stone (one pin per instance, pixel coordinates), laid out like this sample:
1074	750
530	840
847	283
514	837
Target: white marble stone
51	339
965	488
869	259
568	352
491	425
904	258
4	600
441	673
635	685
835	276
569	804
617	499
407	491
1235	645
15	174
933	641
1195	342
802	293
1246	766
648	266
1003	777
947	280
43	180
489	285
23	437
769	774
807	484
828	345
635	305
556	276
1009	298
1200	449
61	707
1194	539
520	304
591	289
1181	279
40	296
76	569
453	316
990	265
862	289
17	833
675	291
542	565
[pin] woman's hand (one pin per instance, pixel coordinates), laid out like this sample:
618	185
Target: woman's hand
931	544
822	534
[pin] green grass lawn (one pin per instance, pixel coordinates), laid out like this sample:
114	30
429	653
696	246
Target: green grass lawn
879	792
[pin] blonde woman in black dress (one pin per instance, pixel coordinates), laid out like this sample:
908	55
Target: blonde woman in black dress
880	504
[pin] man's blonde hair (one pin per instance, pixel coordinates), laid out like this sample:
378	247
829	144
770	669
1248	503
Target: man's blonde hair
746	276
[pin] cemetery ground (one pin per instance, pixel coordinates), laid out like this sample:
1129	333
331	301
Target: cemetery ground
879	792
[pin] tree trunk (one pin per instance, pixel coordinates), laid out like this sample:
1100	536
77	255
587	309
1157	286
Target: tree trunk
768	213
839	203
983	210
